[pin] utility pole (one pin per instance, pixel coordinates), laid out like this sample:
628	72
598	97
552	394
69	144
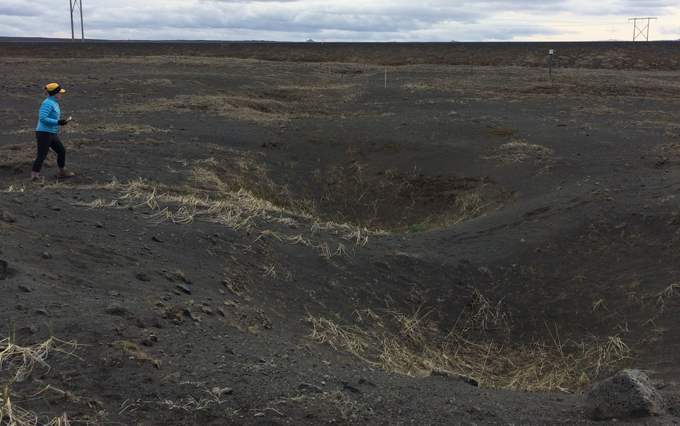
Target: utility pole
73	4
640	30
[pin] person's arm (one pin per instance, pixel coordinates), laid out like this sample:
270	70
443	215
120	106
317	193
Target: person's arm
45	111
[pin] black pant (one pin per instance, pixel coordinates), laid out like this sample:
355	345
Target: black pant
46	141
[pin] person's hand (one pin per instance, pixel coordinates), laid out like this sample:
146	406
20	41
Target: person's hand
62	122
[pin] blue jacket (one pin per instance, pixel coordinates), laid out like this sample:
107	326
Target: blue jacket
49	116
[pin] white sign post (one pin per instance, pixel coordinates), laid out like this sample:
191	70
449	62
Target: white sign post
550	62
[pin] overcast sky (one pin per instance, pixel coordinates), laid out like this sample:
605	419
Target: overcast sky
347	20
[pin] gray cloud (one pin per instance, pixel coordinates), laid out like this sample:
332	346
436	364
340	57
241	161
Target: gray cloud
21	8
395	20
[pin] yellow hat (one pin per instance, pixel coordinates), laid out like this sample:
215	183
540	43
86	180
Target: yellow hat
54	88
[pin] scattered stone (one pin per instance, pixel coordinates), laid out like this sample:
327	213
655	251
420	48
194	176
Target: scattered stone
42	312
46	255
31	329
455	376
627	394
7	217
55	208
25	288
125	345
113	293
223	391
31	214
351	389
363	381
98	225
118	310
187	313
184	288
3	269
156	239
142	276
206	310
20	307
309	388
138	322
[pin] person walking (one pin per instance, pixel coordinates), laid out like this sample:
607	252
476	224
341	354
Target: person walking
46	133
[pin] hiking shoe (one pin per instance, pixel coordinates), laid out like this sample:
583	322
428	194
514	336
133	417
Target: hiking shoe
65	174
36	181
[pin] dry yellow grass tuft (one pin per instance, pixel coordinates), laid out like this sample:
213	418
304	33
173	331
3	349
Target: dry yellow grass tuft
520	150
261	111
17	157
414	345
105	128
184	205
16	365
503	131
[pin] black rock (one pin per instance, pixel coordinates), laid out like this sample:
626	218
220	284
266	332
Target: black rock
455	376
627	394
142	276
3	269
118	310
7	217
310	388
31	329
351	389
366	382
184	288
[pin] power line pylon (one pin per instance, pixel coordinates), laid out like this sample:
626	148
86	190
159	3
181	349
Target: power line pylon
73	4
639	30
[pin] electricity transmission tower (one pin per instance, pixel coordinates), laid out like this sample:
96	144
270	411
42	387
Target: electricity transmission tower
73	4
641	30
